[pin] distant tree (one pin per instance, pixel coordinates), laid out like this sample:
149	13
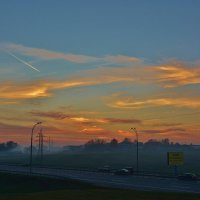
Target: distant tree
152	142
126	141
90	142
10	145
114	143
165	142
177	144
97	143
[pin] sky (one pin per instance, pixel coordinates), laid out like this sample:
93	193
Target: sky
95	69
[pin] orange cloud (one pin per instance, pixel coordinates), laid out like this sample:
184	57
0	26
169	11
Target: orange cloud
124	133
166	75
8	102
21	134
171	74
177	75
98	132
122	121
35	89
106	120
63	135
23	91
16	133
84	120
166	124
54	115
129	102
159	131
93	130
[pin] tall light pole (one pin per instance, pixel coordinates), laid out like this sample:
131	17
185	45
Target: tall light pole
137	152
31	151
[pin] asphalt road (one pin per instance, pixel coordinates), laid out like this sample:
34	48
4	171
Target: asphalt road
110	180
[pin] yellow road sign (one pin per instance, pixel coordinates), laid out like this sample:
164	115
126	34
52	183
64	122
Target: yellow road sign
175	158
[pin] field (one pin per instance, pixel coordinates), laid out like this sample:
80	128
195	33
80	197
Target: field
154	161
21	187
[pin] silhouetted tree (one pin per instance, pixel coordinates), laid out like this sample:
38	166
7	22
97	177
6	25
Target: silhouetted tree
114	143
126	141
95	144
8	146
165	142
153	143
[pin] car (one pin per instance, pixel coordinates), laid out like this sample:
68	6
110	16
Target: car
105	168
188	177
130	169
122	172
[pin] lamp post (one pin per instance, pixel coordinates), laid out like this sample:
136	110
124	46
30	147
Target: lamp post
31	150
137	152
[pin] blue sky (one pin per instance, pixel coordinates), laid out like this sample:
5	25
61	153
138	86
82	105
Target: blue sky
150	29
101	60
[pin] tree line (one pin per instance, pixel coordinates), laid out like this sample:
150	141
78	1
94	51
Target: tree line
8	146
127	143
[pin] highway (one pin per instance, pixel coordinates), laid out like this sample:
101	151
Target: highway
114	181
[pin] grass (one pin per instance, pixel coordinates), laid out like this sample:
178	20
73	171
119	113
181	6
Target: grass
22	187
13	183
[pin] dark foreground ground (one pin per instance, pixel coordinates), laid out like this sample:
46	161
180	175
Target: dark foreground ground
21	187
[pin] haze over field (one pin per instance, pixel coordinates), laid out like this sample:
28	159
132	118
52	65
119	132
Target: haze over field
94	69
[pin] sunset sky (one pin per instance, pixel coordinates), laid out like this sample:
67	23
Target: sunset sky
95	68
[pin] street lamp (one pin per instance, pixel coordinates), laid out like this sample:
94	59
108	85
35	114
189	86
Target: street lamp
137	153
31	151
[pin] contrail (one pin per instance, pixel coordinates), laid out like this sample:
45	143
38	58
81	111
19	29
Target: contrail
24	62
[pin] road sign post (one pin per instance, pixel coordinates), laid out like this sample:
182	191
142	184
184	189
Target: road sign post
175	159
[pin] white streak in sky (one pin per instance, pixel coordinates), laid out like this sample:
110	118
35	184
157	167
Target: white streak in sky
22	61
